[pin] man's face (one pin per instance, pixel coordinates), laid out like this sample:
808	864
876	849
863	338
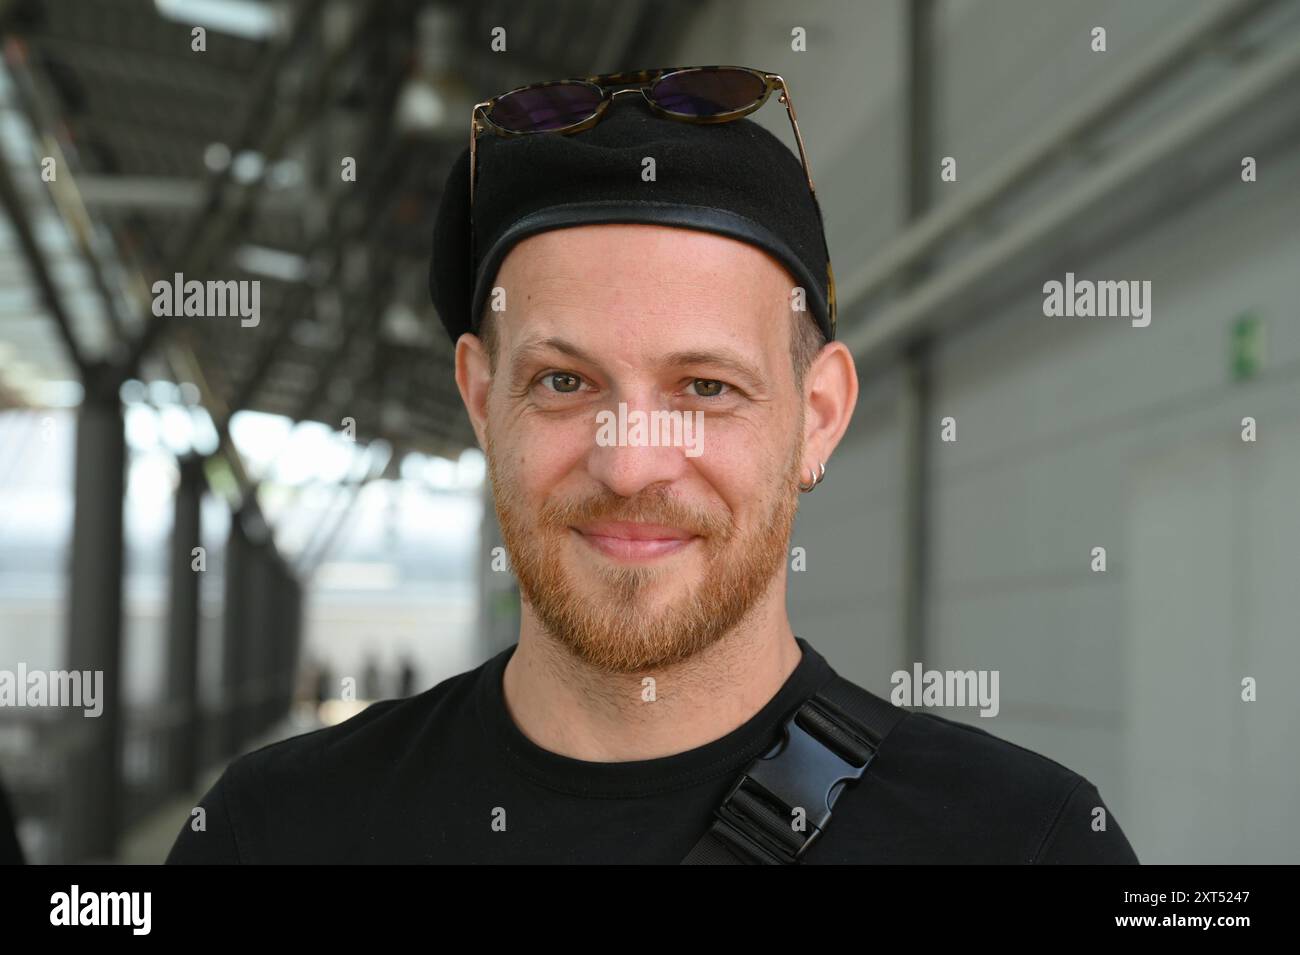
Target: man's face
634	555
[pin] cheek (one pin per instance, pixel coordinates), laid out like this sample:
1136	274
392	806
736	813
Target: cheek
742	467
542	453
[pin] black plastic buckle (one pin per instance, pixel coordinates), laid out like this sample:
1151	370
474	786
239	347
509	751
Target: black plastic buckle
799	771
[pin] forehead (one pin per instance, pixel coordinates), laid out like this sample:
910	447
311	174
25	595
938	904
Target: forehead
646	283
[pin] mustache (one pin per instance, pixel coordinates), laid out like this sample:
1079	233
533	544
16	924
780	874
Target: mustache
648	507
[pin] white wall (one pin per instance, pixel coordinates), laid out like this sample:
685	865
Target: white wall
1071	434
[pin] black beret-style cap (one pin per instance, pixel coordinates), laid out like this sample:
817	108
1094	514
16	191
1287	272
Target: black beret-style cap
735	179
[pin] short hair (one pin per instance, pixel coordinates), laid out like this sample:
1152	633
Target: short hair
806	341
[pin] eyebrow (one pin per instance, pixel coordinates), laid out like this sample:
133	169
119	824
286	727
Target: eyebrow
536	349
726	359
723	358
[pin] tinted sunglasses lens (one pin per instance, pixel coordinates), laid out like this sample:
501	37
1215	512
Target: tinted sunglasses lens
545	107
707	92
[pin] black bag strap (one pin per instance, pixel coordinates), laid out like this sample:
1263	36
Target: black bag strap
825	745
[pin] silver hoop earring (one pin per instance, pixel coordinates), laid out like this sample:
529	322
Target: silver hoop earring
817	478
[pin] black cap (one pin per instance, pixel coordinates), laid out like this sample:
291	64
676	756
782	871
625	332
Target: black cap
735	179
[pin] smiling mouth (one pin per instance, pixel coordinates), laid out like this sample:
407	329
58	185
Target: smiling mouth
630	541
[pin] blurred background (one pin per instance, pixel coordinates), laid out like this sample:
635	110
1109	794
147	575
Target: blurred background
322	465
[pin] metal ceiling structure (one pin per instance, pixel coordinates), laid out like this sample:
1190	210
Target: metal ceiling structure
227	163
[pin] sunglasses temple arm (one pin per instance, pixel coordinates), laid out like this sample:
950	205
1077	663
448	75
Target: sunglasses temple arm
473	169
798	137
807	168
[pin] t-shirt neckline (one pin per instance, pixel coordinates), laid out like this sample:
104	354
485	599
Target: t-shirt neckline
726	755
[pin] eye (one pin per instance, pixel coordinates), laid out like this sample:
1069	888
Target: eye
708	387
562	382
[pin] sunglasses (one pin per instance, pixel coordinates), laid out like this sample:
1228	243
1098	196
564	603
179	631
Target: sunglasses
692	94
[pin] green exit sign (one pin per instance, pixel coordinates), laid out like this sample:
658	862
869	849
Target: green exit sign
1247	346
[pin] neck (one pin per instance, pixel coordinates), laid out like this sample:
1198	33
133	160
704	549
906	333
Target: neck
566	707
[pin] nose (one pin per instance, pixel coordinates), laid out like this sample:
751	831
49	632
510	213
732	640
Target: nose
630	453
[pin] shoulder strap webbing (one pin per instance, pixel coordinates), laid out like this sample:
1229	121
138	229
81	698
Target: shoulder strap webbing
783	801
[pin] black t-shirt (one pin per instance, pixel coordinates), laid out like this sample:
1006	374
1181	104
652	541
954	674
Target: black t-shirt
447	777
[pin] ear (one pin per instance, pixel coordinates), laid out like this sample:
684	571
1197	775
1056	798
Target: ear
830	395
474	380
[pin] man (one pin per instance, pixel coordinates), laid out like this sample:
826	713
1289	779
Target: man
655	660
